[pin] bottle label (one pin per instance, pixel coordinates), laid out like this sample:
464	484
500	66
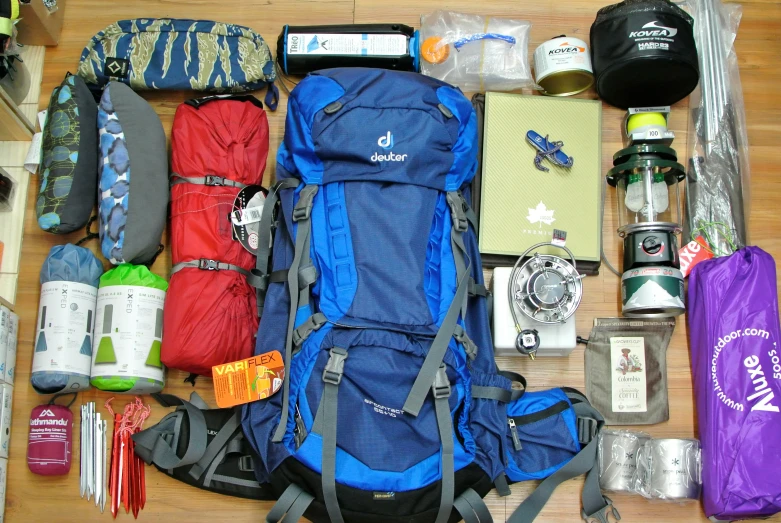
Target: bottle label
63	334
627	357
347	44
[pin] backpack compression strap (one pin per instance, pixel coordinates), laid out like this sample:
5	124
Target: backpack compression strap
205	264
299	294
325	424
208	180
596	507
436	353
261	276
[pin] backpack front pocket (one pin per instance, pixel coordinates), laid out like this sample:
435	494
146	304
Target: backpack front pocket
488	422
541	435
379	447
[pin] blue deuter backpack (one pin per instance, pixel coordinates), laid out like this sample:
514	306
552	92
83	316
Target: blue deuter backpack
392	408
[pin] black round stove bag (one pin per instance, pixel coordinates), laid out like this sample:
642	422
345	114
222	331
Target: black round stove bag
643	53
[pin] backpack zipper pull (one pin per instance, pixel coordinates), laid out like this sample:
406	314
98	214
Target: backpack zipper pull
299	432
514	433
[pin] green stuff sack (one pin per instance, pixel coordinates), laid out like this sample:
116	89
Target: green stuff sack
129	331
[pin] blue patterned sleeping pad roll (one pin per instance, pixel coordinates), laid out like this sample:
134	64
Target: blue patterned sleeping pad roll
67	263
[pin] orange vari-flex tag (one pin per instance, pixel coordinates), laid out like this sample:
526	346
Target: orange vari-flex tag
248	380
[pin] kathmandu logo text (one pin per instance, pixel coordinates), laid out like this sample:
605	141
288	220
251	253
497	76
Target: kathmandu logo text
654	30
386	142
49	422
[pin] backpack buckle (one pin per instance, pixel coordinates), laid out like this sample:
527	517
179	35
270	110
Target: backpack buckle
602	515
587	430
213	179
470	348
334	369
246	464
303	208
208	265
441	386
313	323
458	211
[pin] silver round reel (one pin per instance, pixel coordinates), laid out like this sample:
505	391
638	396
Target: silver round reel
546	288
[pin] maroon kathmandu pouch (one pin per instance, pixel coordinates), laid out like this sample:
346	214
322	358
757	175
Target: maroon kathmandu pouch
50	444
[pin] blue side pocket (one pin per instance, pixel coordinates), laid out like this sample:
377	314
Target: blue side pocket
488	423
546	428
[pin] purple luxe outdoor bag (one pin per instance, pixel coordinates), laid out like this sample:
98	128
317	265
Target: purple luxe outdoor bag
736	366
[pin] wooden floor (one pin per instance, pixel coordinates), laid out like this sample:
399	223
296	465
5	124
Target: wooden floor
37	498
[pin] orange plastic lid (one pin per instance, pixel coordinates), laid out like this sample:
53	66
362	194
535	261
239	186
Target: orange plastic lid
432	51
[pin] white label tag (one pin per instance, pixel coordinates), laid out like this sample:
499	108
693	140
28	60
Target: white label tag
63	334
33	158
42	115
128	332
350	44
246	216
627	357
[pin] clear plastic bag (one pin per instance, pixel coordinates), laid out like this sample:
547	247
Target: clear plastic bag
669	469
617	458
476	53
717	192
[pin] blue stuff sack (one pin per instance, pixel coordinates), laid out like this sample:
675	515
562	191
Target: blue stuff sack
176	54
133	183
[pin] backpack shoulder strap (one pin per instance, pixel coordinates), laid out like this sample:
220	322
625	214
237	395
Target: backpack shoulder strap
596	507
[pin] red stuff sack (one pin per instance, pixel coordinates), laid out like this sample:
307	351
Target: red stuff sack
218	145
50	443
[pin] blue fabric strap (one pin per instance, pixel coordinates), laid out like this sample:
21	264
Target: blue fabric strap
272	97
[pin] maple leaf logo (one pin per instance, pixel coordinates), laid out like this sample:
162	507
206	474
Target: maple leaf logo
541	214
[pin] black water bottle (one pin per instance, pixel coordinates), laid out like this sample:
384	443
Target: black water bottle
303	49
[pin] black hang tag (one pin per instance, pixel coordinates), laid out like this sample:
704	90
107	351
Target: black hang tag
116	67
198	102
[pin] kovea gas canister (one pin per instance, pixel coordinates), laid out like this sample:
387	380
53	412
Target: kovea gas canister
562	66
